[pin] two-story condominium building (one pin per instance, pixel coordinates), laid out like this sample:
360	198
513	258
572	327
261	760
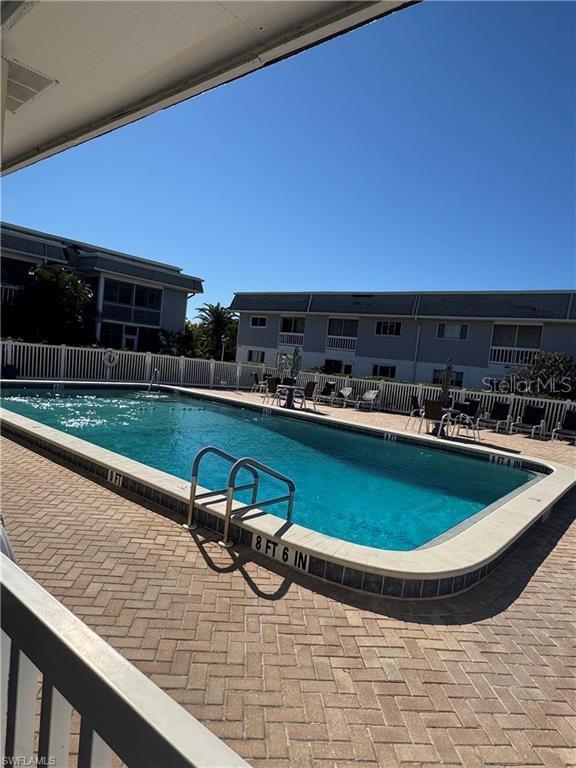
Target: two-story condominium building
133	298
407	336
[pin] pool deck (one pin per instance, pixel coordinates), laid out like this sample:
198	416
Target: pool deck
560	451
292	672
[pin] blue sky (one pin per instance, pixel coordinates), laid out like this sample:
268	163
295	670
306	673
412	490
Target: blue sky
432	150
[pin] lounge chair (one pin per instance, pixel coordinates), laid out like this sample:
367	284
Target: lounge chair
368	400
342	397
327	393
306	394
566	427
415	410
498	414
433	413
532	421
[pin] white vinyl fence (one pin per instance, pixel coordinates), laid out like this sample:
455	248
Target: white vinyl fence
59	362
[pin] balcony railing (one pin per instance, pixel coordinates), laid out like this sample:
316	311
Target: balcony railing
341	342
292	339
9	292
122	712
128	314
512	355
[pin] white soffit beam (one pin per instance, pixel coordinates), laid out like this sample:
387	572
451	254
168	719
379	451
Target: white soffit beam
77	70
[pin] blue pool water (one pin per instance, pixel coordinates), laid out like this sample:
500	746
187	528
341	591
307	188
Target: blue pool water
348	485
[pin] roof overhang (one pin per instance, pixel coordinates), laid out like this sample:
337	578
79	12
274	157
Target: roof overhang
77	70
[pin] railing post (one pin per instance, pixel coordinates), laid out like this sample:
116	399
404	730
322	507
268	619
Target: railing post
9	352
238	375
212	371
62	365
148	366
181	365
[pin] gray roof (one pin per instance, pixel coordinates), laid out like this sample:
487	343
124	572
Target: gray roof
84	256
541	305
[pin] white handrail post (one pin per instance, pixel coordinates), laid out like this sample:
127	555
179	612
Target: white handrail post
238	375
181	365
62	366
9	346
148	366
212	372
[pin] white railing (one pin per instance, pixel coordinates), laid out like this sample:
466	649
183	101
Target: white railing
45	361
340	342
292	339
52	658
49	361
512	355
9	292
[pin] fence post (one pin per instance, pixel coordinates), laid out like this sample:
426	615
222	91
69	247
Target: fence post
148	366
212	371
238	374
62	365
181	366
9	347
381	395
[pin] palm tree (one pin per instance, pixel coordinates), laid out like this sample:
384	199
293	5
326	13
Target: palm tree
219	326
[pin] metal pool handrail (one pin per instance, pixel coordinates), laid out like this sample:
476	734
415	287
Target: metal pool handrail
194	481
248	463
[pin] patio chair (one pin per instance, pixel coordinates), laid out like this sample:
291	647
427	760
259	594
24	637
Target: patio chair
532	420
342	397
368	400
498	414
259	387
468	418
415	410
432	413
327	393
566	427
272	385
306	394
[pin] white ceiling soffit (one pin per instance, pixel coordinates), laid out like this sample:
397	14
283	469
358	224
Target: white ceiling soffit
105	63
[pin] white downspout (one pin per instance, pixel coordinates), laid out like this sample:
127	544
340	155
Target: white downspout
417	345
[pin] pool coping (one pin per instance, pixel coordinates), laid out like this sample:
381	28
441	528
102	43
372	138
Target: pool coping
444	568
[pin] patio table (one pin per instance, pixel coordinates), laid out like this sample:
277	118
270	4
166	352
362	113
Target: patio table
289	389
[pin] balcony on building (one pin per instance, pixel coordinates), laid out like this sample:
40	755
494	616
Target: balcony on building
292	331
342	334
514	344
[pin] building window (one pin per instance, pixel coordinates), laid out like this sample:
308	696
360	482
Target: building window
292	324
384	371
258	322
111	335
522	336
118	293
147	297
255	356
452	331
336	366
340	327
387	328
438	377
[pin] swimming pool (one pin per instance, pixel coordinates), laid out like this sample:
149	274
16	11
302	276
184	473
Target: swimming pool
355	487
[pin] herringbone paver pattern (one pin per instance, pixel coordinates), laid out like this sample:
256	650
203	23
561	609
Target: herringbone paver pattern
294	674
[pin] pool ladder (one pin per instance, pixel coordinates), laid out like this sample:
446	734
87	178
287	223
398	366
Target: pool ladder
254	467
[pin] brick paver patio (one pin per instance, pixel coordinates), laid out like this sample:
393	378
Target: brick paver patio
291	672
